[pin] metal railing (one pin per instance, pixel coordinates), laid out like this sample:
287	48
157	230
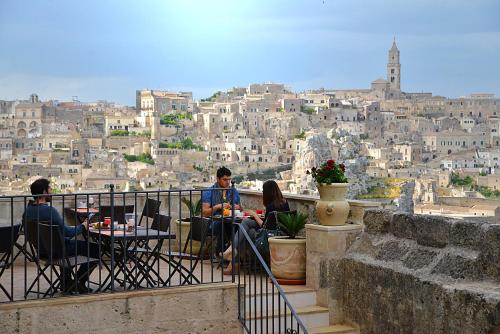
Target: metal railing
153	241
264	307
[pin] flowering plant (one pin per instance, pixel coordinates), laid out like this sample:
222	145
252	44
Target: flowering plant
328	172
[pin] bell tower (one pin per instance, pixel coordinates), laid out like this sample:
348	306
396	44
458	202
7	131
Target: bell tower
394	68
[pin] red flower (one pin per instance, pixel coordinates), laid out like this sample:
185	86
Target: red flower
330	163
329	167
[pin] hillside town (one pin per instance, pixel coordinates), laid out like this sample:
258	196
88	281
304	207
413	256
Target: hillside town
414	152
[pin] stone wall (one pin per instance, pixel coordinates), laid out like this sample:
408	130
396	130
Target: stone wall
418	274
196	309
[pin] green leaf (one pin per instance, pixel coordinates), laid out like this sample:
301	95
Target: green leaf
292	224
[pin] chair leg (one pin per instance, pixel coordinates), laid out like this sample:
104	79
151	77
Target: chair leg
6	292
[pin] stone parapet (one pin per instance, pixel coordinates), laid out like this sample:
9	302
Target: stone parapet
198	309
418	274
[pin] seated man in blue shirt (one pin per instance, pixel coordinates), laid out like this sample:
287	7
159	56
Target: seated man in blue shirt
42	211
215	201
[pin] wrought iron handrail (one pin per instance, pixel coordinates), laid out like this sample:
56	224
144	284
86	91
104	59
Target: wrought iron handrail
299	325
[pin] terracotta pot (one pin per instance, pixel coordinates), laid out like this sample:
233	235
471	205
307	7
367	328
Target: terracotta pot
332	207
288	257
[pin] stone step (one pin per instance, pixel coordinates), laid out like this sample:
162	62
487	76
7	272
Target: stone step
333	329
297	298
311	316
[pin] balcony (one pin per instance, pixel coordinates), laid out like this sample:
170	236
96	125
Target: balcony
123	294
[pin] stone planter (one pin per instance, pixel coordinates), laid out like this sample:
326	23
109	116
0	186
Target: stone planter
288	258
332	207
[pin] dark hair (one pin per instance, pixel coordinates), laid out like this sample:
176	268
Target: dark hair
39	186
271	194
223	171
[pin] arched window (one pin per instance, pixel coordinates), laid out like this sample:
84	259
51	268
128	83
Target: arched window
21	133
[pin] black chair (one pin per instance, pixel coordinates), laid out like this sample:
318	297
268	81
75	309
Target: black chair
116	212
151	210
47	242
162	223
271	222
8	240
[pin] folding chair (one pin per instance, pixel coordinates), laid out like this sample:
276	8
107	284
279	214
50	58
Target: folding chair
8	240
151	210
162	223
50	249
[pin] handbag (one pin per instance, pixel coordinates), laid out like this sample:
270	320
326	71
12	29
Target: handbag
262	236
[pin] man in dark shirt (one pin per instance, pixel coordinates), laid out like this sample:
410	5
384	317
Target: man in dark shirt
41	210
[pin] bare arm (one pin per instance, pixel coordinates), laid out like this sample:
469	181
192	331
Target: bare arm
208	210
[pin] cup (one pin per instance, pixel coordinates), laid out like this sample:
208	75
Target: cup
107	221
259	212
237	213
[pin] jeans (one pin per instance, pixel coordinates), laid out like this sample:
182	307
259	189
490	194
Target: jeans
251	227
216	228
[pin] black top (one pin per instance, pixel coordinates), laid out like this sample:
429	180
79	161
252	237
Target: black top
271	208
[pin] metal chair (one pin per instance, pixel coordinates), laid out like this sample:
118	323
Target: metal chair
8	240
151	210
47	242
162	223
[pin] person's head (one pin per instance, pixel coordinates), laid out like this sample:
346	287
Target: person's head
223	177
271	194
40	187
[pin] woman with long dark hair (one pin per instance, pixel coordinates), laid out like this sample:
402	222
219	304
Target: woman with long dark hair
273	201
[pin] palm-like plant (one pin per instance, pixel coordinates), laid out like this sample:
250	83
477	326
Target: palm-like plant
292	224
194	208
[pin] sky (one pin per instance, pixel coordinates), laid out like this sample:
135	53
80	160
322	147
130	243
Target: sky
107	49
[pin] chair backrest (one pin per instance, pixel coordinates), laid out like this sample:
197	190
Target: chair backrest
199	228
32	235
272	218
161	223
117	212
151	209
52	240
8	237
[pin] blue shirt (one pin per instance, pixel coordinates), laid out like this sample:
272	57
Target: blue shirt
213	196
47	213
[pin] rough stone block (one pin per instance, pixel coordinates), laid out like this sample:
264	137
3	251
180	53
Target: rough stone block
432	231
418	258
468	234
392	250
377	220
457	267
403	226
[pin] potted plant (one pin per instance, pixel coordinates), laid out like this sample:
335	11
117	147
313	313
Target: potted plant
332	207
183	225
288	252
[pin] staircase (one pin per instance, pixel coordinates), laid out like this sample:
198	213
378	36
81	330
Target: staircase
303	300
